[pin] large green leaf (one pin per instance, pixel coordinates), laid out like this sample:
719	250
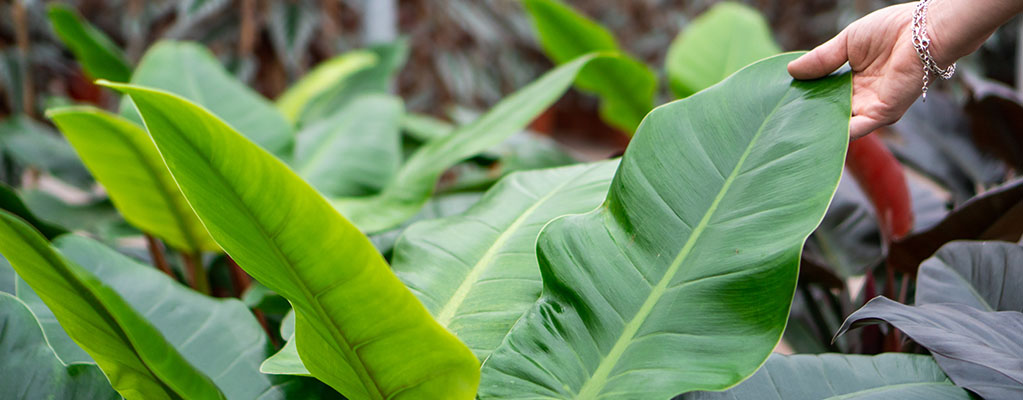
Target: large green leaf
683	278
477	272
132	353
97	54
326	75
356	151
721	41
123	158
840	376
31	370
409	191
979	350
358	328
987	276
191	71
626	87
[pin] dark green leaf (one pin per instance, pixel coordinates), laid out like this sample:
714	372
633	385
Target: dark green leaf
683	278
11	202
97	54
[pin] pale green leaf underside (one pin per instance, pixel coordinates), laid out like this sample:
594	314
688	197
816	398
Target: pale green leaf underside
133	354
721	41
477	272
683	278
408	192
191	71
124	160
840	376
356	151
358	328
30	368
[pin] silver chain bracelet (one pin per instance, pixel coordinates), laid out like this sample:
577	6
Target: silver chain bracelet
922	43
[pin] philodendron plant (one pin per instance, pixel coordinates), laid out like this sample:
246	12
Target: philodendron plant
674	272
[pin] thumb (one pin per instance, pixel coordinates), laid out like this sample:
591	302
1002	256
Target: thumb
822	60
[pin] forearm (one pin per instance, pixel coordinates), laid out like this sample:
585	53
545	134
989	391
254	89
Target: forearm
959	27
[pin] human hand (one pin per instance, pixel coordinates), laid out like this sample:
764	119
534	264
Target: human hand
887	73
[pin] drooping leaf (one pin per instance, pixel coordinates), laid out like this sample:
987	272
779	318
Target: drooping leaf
32	371
979	350
356	151
322	78
124	160
132	353
191	71
375	78
477	272
30	143
994	215
840	376
12	203
983	275
683	278
883	180
98	55
406	194
626	87
726	38
358	328
996	119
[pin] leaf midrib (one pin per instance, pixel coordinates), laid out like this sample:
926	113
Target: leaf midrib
343	345
592	387
447	313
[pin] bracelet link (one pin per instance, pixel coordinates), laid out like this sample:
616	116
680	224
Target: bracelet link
922	44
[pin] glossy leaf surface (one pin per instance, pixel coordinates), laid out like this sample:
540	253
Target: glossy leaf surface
694	252
32	371
125	161
626	87
840	376
987	276
980	351
132	353
358	328
98	55
354	152
191	71
477	272
726	38
408	192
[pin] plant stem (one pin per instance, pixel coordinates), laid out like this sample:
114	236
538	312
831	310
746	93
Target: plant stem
156	253
197	278
239	279
818	317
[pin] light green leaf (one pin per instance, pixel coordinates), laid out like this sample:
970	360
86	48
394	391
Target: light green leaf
286	361
191	71
326	75
416	180
358	328
132	353
356	151
32	371
477	272
626	87
376	78
125	161
425	128
721	41
683	278
98	55
840	376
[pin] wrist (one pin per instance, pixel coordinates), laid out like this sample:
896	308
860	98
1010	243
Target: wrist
958	28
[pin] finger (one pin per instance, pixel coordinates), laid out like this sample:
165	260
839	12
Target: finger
861	125
822	60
